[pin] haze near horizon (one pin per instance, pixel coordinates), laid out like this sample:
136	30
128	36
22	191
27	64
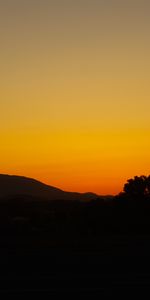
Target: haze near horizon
75	92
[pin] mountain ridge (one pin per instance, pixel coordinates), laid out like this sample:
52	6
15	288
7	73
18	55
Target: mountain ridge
14	185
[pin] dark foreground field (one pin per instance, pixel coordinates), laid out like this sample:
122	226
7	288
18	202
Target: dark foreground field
106	271
73	248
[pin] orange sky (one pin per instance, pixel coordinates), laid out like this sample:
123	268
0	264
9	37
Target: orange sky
75	92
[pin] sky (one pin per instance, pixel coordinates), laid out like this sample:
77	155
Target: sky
75	92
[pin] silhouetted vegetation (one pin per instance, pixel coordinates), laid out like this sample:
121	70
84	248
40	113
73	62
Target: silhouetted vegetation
138	187
112	226
67	222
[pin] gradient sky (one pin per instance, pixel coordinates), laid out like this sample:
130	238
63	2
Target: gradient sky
75	91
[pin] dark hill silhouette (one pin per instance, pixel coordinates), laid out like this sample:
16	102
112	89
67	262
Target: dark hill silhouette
48	246
12	186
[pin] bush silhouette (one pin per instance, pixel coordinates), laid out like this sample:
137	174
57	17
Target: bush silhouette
139	187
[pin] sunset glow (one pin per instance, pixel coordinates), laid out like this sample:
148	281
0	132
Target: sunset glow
75	92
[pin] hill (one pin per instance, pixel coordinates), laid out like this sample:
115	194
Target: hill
12	186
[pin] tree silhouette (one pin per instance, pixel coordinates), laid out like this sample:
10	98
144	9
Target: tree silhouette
148	184
139	187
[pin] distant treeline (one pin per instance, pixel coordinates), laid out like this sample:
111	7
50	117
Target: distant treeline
70	222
